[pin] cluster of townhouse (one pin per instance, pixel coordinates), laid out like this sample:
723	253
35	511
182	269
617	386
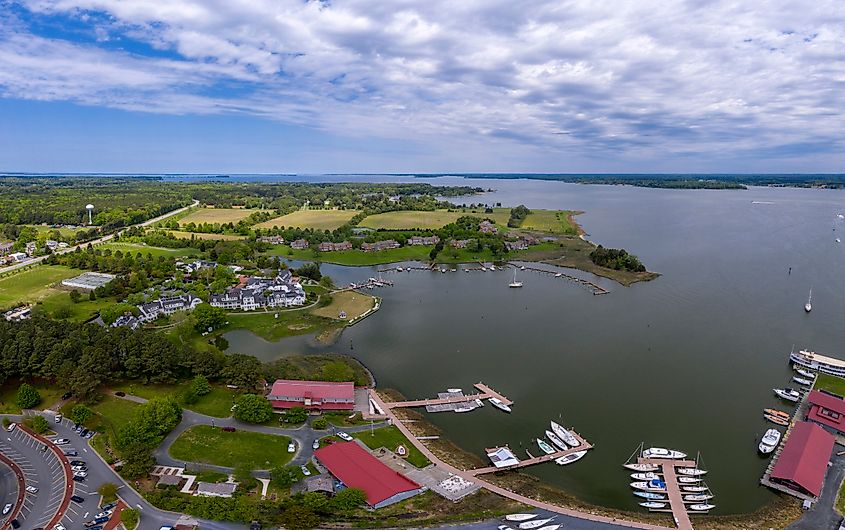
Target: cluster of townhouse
380	245
423	240
272	240
522	243
328	246
486	227
254	292
164	306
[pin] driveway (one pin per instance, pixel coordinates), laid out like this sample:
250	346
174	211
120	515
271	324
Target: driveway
823	515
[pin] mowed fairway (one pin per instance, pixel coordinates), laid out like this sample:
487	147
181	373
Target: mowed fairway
354	304
216	215
316	219
556	221
196	235
209	445
34	284
427	220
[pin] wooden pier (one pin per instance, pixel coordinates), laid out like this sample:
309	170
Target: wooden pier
800	412
673	489
595	288
485	392
584	445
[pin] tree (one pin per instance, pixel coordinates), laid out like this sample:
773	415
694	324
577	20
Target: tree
137	460
338	371
309	270
27	397
75	296
283	476
129	517
159	416
299	518
320	424
111	312
205	317
92	296
253	409
80	413
200	385
108	491
40	425
295	415
347	499
242	371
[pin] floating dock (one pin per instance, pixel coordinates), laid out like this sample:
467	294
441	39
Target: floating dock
595	288
485	392
673	489
800	412
584	445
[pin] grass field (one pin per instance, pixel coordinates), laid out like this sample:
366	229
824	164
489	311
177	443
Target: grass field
391	438
408	220
555	221
317	219
830	383
288	324
355	257
188	235
216	215
33	285
217	403
114	412
81	311
65	232
209	445
144	249
353	303
49	392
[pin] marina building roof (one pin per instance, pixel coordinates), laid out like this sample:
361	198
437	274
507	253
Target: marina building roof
826	410
802	463
502	457
357	468
287	393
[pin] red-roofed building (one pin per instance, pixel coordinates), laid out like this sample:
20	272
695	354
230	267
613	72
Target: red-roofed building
802	464
827	410
356	468
313	395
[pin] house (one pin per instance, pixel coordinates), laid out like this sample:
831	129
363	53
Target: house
516	245
328	246
210	489
31	248
827	410
802	463
169	480
502	457
299	244
421	240
51	244
254	292
355	467
487	227
18	256
318	484
5	248
128	320
272	240
19	313
379	245
167	306
459	243
312	395
195	266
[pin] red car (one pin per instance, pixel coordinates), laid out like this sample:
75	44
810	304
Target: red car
229	429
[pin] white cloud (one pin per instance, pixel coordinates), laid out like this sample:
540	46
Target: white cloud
621	79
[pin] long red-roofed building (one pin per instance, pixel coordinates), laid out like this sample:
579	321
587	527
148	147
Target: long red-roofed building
356	468
312	395
826	410
802	463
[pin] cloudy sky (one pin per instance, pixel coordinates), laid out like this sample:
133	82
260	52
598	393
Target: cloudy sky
421	86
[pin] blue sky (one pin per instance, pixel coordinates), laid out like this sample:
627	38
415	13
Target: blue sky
435	86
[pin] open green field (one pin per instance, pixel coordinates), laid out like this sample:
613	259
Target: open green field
391	438
217	403
555	221
830	383
65	232
354	304
144	249
210	445
355	257
114	412
288	324
316	219
50	394
58	301
197	235
409	220
216	215
34	284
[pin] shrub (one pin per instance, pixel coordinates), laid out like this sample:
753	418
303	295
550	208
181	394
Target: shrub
253	409
27	397
320	424
40	425
129	517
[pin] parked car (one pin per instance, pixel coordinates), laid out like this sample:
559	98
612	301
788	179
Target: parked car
31	489
109	506
229	429
11	427
90	434
842	524
77	499
101	518
343	436
15	524
291	447
305	471
120	393
77	462
254	526
72	452
59	526
82	474
58	418
84	433
7	508
79	468
79	479
96	527
315	445
61	441
67	395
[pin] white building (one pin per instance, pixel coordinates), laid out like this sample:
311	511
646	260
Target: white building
167	306
256	293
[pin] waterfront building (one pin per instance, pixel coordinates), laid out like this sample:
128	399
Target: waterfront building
328	246
272	240
459	243
299	244
502	457
802	463
423	240
516	245
255	292
826	410
355	467
312	395
166	306
379	245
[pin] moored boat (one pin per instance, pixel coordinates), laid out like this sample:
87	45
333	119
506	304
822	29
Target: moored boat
651	485
694	489
698	497
651	496
571	457
702	507
550	527
557	441
644	476
652	505
691	471
802	381
504	527
565	435
519	517
546	448
776	412
689	480
776	420
496	402
644	468
789	394
770	440
804	373
660	452
535	524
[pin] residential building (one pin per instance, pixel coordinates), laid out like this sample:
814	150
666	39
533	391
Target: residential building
210	489
312	395
5	248
516	245
31	248
272	240
51	244
88	281
423	240
379	245
195	266
128	320
18	256
254	293
487	227
328	246
827	410
459	243
802	463
299	244
167	306
317	484
19	313
355	467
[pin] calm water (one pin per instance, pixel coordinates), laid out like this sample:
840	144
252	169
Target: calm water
687	361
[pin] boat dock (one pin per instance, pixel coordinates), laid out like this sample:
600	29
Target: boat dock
485	392
673	489
595	288
583	446
800	412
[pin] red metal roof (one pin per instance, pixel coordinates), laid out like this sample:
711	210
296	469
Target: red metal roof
313	389
804	458
357	468
827	410
827	401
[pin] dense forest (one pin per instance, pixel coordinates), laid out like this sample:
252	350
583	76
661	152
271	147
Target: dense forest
617	259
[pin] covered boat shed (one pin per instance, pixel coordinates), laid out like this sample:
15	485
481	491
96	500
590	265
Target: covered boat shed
803	461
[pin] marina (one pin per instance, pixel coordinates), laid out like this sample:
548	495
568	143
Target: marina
453	398
583	445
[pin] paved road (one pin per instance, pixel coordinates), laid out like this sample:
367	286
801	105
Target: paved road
103	239
11	489
569	523
823	515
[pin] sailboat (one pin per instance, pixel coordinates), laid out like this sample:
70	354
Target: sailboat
515	284
809	305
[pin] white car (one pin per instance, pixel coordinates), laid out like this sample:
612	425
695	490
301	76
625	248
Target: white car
61	441
32	489
11	427
58	418
291	447
59	526
305	470
343	436
7	508
315	445
82	474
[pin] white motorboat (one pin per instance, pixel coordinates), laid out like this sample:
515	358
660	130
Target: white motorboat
689	480
789	394
644	468
806	374
519	517
698	497
557	441
565	435
770	440
691	471
694	489
504	527
571	457
809	305
535	524
558	275
702	507
649	486
515	284
652	505
465	408
802	381
496	402
645	476
659	452
546	448
455	390
551	527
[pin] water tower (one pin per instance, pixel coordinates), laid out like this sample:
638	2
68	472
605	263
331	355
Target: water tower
90	208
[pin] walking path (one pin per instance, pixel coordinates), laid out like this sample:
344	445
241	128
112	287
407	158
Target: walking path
502	491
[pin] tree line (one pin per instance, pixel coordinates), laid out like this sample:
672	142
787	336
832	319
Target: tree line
617	259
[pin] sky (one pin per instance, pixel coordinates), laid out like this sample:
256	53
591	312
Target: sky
352	86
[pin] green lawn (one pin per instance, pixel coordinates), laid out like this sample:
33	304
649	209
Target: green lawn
288	324
355	257
198	235
65	232
49	392
422	220
391	438
134	248
80	311
353	303
210	445
217	403
830	383
556	221
33	284
316	219
216	215
112	413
